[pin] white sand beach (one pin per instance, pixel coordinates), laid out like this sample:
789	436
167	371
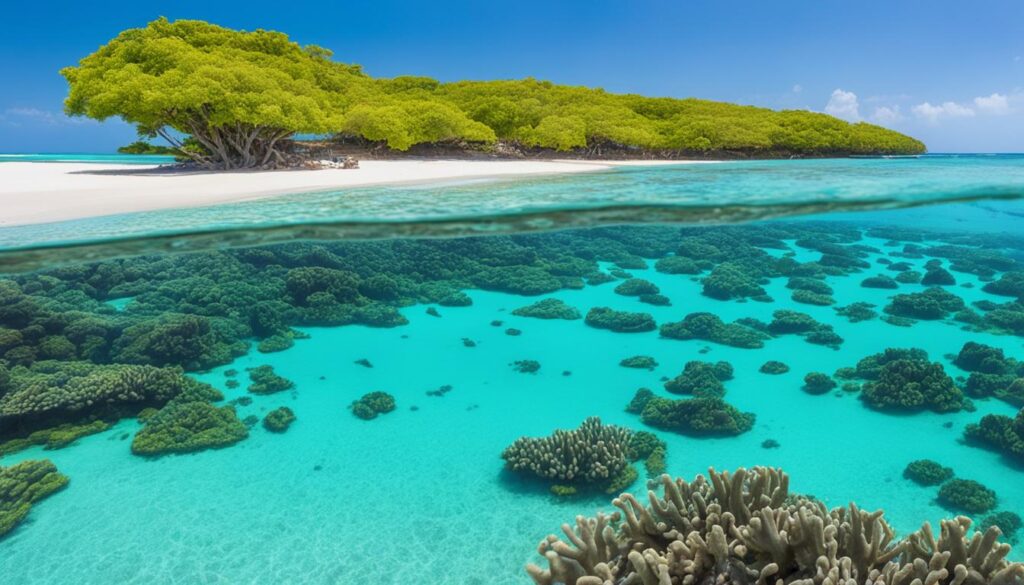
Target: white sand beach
47	192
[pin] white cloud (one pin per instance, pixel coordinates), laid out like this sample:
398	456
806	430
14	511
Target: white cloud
943	110
843	104
996	104
37	117
798	88
887	115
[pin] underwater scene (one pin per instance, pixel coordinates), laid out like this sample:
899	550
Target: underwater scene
817	379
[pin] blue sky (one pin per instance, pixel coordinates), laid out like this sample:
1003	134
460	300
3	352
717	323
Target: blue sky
950	73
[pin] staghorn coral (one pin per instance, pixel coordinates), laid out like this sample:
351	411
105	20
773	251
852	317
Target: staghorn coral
593	455
745	528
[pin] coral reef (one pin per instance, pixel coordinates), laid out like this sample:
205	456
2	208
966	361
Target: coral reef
620	321
1008	522
914	384
639	401
279	419
265	381
372	404
591	456
635	287
857	312
191	341
999	433
909	277
1010	284
654	464
55	438
51	393
809	284
186	426
697	416
656	300
978	357
927	472
870	367
526	366
818	383
812	298
938	276
678	265
441	391
642	362
275	343
934	303
773	367
745	528
732	281
709	327
967	495
880	281
785	322
702	379
549	309
24	484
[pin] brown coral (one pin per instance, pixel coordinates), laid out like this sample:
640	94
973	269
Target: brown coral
745	528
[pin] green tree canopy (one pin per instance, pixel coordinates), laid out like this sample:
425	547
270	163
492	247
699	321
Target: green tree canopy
236	93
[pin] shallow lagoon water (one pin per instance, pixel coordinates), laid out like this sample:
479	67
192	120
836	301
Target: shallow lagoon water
420	495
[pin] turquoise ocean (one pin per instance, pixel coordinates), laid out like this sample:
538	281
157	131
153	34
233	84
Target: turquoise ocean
421	494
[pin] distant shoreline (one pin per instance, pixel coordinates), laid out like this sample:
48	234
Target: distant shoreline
33	193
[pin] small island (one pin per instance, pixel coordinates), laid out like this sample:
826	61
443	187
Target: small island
219	73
